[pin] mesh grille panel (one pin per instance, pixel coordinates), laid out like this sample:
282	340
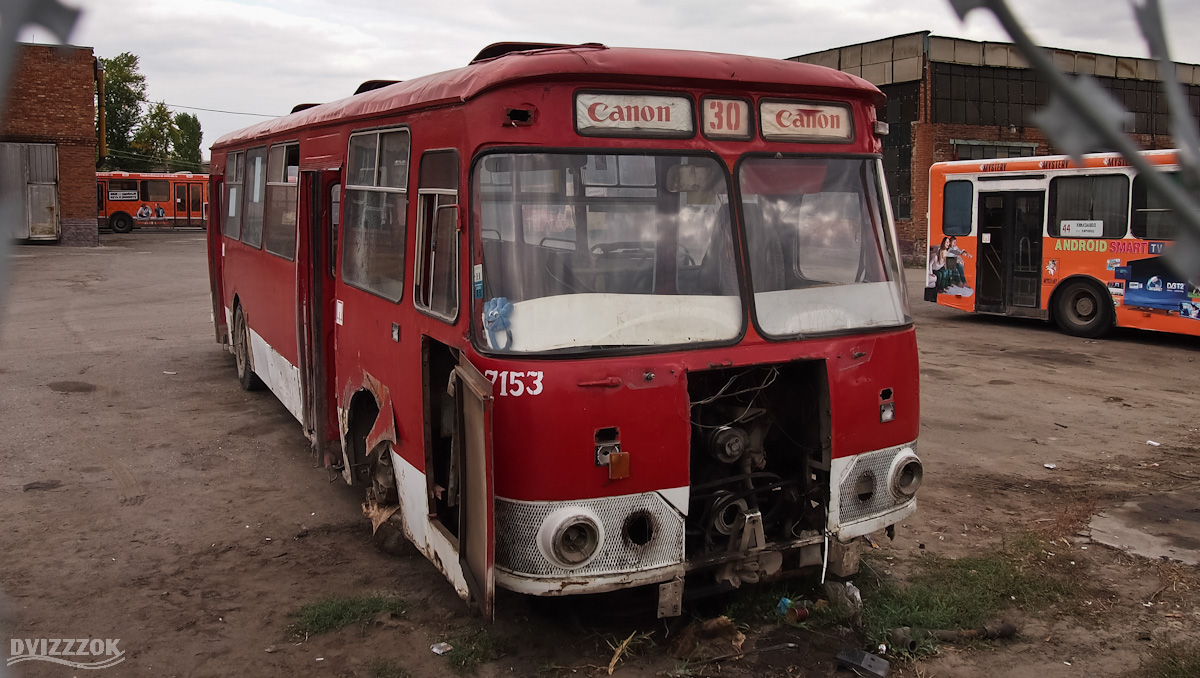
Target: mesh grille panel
851	508
517	524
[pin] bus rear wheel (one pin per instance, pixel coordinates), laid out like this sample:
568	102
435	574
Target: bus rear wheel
241	353
121	223
1081	310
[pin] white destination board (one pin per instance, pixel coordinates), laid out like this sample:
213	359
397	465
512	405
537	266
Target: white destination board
122	195
804	121
1081	228
633	115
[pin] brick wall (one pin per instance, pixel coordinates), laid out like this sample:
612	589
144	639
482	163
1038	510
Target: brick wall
51	100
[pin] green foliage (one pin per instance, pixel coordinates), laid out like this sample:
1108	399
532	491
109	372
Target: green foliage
383	668
185	150
154	138
124	95
473	647
1179	660
338	612
965	593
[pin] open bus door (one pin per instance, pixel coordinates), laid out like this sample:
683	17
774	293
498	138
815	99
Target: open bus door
316	255
216	263
477	547
1010	252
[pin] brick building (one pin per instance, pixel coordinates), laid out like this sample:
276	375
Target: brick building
953	99
48	145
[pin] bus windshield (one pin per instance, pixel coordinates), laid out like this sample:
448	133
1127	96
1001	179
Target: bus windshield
821	256
584	251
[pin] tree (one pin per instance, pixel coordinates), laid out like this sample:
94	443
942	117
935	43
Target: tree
124	94
186	149
153	139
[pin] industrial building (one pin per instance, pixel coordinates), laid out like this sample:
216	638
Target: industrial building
48	146
954	99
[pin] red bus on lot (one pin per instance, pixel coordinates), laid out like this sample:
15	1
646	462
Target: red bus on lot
1044	237
128	199
592	318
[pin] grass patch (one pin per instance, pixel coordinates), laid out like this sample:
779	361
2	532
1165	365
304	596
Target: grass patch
384	668
473	647
331	614
756	604
1178	660
941	593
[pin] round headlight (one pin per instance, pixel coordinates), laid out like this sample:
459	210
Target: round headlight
571	537
906	476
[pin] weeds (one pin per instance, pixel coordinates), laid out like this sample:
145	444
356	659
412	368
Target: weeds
1178	660
331	614
473	647
383	668
965	593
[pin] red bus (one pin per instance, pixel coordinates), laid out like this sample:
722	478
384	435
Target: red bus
151	200
592	318
1043	237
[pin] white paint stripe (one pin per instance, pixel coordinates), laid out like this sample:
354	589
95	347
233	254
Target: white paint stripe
428	539
282	377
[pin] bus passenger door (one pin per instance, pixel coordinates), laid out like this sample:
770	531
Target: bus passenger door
1010	252
473	422
319	192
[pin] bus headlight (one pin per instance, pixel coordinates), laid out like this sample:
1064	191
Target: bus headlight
906	475
571	537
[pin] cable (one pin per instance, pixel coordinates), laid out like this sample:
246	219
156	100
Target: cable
217	110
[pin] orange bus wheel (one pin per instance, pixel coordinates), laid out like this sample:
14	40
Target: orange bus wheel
1082	310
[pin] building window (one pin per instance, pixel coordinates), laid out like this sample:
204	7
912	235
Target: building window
1103	198
376	212
989	151
902	109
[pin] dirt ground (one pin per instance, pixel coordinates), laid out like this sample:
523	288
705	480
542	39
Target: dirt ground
147	498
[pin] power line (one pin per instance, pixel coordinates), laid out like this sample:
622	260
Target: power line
131	155
215	110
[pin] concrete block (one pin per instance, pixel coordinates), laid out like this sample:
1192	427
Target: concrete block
941	49
877	52
851	56
906	70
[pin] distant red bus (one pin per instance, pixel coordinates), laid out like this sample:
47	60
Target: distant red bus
585	318
125	200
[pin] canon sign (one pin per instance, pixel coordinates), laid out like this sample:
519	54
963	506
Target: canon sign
632	115
804	121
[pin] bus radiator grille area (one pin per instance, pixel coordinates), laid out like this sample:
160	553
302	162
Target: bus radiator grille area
587	538
760	462
875	488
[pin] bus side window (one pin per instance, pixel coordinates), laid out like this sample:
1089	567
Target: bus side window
956	208
232	218
279	221
254	199
335	219
435	288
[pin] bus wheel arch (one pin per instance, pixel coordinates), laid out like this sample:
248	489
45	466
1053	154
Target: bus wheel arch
120	222
243	354
1082	306
369	436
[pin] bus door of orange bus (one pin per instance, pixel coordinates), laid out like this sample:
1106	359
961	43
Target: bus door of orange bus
189	204
1008	279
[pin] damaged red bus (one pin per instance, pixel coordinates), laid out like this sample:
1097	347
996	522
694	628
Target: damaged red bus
591	318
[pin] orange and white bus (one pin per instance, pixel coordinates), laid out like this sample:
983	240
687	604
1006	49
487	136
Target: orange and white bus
1043	237
128	199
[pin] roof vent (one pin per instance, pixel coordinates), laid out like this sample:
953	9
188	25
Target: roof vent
302	107
374	84
499	49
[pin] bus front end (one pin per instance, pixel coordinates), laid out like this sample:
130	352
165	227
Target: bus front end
690	386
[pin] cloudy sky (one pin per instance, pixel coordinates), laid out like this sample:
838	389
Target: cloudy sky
264	56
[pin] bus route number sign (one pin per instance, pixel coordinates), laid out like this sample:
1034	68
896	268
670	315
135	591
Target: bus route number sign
726	118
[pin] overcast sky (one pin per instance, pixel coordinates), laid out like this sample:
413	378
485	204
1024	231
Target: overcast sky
264	56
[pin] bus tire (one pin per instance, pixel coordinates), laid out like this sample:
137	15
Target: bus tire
1082	309
121	222
241	353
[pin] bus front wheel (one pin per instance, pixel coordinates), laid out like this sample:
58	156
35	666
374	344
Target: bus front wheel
1081	310
241	353
121	223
